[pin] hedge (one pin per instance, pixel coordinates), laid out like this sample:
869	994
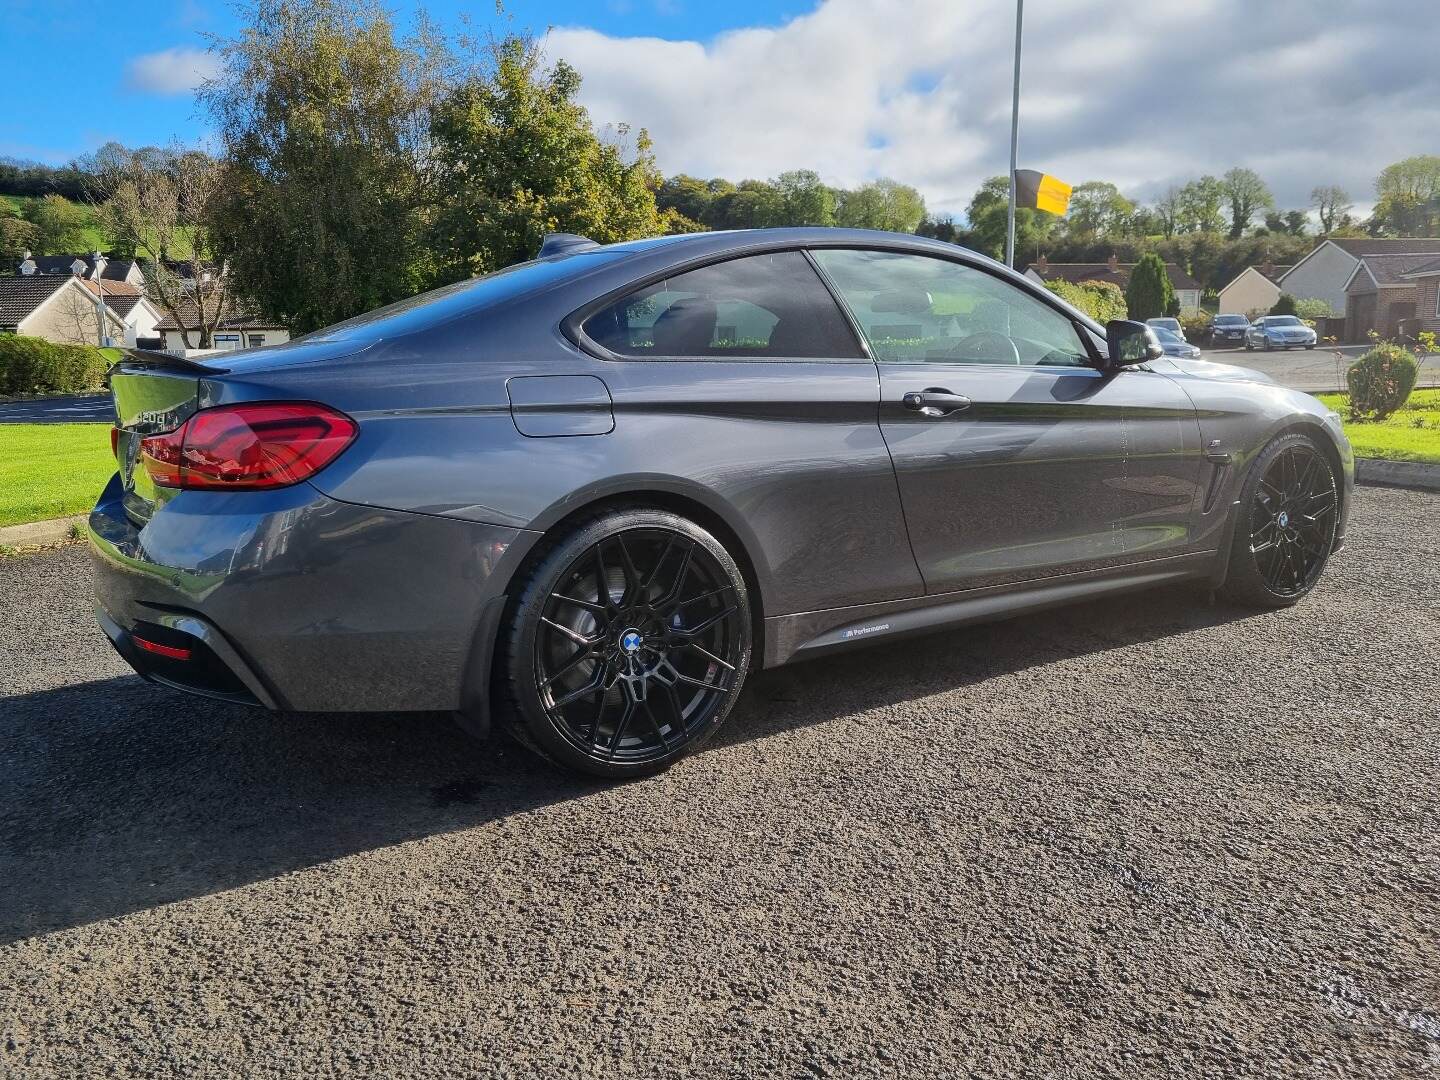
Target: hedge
1101	300
32	365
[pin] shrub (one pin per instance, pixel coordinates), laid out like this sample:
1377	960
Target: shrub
1101	300
1380	381
1284	306
1310	308
1150	293
31	365
1195	324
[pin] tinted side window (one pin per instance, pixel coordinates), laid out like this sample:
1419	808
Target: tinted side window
763	305
916	309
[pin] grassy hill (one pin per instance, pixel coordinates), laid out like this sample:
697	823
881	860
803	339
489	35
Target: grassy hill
93	234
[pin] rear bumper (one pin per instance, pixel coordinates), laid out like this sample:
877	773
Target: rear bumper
292	600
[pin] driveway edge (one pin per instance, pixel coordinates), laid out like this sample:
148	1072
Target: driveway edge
41	533
1420	475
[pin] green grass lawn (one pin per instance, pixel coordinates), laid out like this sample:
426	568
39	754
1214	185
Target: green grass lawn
1397	438
51	470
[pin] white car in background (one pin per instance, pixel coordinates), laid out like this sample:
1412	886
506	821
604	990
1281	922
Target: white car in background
1279	332
1173	325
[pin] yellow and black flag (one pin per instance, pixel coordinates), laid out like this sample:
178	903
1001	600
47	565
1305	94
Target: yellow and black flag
1040	191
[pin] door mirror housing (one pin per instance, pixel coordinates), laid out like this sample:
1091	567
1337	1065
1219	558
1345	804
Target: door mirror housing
1131	343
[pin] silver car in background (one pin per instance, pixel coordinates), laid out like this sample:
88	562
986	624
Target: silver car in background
1175	345
1279	332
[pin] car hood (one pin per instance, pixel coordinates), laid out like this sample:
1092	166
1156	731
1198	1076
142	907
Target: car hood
1205	369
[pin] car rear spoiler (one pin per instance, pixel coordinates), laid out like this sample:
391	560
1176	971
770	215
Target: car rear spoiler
149	360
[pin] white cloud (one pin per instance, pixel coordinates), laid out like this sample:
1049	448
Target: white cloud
171	71
1306	93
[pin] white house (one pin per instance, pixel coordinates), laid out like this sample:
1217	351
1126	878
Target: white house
138	311
1324	273
235	330
57	308
1254	289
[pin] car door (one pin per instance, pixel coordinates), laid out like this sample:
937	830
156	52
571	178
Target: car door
744	378
1016	455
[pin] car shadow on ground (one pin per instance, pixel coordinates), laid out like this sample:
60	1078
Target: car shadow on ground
120	796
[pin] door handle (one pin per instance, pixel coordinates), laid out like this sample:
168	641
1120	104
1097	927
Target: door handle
935	401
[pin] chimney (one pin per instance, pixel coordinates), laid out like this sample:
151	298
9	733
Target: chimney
1042	264
27	264
1113	263
97	260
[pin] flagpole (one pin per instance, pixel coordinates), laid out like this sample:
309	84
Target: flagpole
1014	139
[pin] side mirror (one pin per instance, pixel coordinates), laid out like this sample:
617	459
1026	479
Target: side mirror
1131	343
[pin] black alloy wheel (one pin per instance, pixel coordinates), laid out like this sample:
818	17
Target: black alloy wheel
1289	514
633	642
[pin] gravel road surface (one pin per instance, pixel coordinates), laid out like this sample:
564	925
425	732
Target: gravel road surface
1145	837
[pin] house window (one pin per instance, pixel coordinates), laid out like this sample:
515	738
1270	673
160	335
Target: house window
254	341
227	341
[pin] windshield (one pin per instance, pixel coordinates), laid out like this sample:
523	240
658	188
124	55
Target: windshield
1230	320
1283	320
1164	333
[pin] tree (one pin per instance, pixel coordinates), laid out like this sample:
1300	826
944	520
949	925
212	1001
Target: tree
987	214
161	206
16	235
59	226
1149	294
517	158
1199	205
881	204
753	204
1408	197
1097	209
1331	203
939	228
1168	210
804	200
325	123
1247	194
1285	305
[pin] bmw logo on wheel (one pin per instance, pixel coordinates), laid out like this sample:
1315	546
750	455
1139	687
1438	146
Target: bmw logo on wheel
631	641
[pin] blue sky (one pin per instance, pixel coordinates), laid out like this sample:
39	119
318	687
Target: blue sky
1147	96
86	95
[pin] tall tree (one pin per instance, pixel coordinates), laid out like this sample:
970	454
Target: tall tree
881	204
58	226
987	214
1247	194
1331	203
1200	202
1149	294
517	158
804	200
1098	209
1408	197
160	206
324	119
1168	209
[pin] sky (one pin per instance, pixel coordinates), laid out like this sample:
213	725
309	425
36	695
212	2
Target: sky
1146	95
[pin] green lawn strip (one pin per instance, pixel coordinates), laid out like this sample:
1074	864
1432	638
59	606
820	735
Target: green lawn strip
51	470
1397	438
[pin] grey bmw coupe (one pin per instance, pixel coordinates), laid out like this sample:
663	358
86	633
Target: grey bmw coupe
591	493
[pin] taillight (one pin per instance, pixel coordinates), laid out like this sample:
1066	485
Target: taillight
237	447
115	442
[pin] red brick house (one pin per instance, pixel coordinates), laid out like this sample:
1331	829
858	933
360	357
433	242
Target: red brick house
1382	297
1426	280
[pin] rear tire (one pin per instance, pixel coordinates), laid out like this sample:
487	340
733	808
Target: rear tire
627	645
1285	527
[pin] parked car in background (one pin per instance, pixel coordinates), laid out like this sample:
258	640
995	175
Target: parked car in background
594	491
1173	325
1227	329
1279	332
1175	345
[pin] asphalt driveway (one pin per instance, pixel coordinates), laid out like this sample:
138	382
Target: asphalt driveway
1145	837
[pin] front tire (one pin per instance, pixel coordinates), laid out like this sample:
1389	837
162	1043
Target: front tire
628	644
1285	527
